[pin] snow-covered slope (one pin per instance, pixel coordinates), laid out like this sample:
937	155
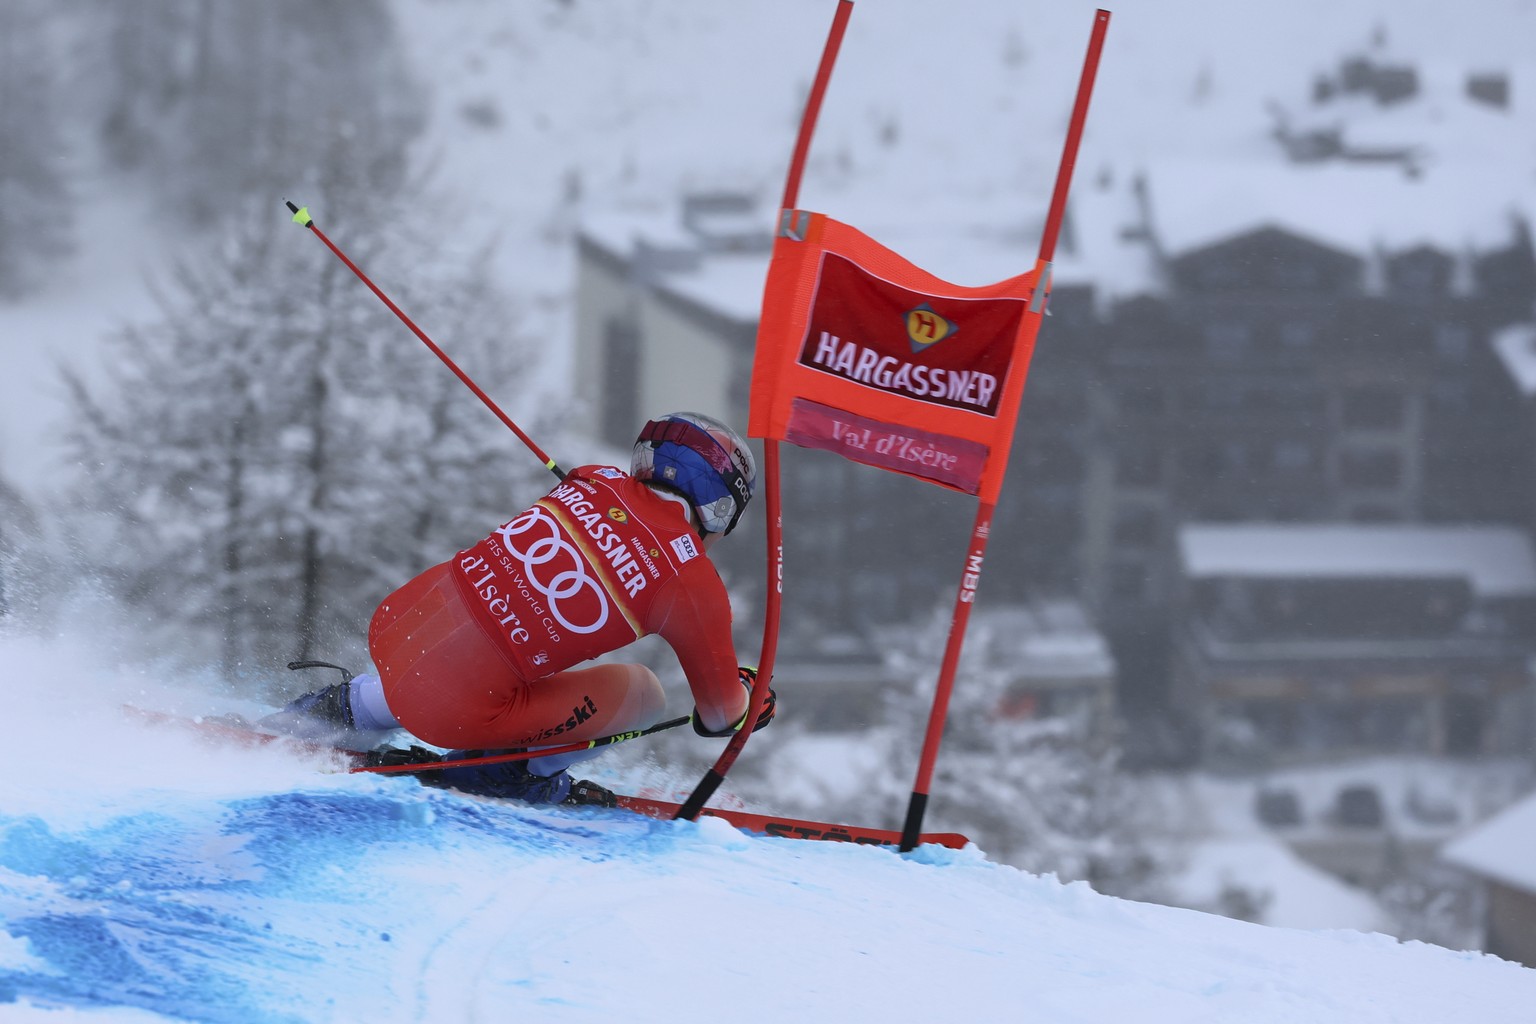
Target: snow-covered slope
145	876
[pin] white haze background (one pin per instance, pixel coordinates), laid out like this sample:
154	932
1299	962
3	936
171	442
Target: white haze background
148	877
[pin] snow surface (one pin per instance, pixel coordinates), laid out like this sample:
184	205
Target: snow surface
146	876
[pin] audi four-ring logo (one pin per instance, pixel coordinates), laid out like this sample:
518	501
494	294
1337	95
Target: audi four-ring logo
555	569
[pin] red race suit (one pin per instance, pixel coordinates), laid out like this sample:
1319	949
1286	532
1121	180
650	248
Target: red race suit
477	651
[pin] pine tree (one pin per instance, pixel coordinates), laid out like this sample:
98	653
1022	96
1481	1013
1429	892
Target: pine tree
274	452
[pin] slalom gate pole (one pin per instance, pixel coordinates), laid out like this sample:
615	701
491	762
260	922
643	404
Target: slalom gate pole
691	807
519	755
301	217
966	597
1058	207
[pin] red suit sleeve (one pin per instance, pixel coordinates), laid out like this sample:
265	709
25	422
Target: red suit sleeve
693	615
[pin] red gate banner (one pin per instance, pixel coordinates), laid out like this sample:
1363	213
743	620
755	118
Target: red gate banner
862	353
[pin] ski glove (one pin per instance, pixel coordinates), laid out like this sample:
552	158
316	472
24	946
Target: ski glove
747	677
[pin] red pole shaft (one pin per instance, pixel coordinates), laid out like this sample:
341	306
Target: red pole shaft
773	605
912	829
691	807
813	103
1058	207
940	710
484	398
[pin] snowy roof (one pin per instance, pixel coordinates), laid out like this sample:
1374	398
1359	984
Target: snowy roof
1353	207
1497	561
1436	167
1501	848
1440	118
731	284
1516	348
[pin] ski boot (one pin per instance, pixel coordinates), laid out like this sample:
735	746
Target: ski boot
586	793
323	715
512	780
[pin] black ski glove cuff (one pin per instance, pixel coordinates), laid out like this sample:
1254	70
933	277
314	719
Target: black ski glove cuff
747	677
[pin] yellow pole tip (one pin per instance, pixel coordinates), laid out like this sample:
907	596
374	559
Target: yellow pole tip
301	218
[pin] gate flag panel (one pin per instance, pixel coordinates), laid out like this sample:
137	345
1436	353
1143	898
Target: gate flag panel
862	353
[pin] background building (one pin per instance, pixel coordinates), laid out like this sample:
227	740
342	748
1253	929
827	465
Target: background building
1299	639
1335	329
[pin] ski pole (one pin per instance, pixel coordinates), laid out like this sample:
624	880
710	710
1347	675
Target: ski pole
301	217
518	755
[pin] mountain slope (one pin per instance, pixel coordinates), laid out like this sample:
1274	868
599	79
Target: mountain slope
145	875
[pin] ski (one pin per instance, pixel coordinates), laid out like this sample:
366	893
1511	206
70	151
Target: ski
235	730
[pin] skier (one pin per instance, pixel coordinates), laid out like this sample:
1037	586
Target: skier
479	653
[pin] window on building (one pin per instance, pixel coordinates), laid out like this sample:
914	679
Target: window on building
1056	463
1136	526
1453	341
1293	456
1371	512
1228	341
1372	408
1297	334
1198	462
1138	462
1295	273
1290	507
1222	396
1052	525
1128	582
1220	275
1143	400
1371	468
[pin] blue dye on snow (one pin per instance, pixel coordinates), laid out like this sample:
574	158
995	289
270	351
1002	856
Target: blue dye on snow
168	913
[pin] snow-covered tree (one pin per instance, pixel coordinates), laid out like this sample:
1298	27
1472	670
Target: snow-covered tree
36	209
218	102
1042	794
274	452
18	525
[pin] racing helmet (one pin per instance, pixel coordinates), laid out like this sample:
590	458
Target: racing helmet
702	459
